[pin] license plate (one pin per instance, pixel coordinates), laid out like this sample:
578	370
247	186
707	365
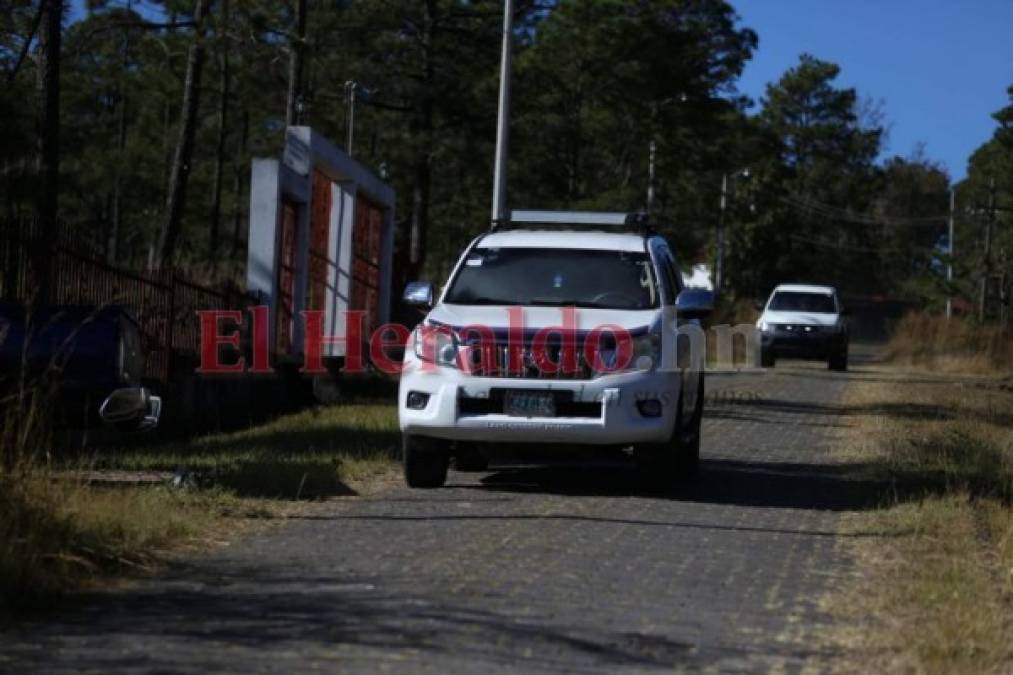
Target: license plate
529	404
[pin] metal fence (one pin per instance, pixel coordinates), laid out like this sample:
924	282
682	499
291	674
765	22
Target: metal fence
164	303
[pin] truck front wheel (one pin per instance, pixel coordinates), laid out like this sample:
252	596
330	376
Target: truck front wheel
425	461
839	360
665	465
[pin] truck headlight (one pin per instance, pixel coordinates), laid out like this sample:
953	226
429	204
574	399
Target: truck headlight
436	344
646	352
763	326
639	353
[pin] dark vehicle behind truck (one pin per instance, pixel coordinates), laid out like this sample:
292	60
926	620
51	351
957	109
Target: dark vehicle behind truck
90	358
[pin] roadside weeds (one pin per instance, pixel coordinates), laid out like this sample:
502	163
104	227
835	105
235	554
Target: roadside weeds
933	591
60	533
955	345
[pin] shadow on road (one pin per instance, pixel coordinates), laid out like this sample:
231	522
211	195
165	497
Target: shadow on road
294	617
720	481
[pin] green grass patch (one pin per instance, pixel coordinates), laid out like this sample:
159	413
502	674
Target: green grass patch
301	456
954	459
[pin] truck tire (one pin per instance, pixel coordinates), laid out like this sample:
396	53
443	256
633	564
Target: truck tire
767	358
838	361
689	455
664	465
425	461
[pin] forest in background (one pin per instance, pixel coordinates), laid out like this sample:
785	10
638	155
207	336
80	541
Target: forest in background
134	126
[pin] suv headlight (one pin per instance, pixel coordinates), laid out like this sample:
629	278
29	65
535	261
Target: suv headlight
436	344
639	353
646	352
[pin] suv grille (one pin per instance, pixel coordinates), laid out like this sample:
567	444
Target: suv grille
521	361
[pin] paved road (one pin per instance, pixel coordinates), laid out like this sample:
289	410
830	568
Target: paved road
521	570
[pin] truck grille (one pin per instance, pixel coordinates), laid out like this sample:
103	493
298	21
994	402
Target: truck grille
520	361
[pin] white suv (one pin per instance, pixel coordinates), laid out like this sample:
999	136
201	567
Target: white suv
804	321
552	331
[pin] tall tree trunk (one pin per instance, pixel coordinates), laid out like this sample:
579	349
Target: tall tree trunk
420	215
423	124
48	158
237	183
112	243
179	174
296	55
223	113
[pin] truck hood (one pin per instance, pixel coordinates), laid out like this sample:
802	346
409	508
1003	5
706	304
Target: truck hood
497	317
801	318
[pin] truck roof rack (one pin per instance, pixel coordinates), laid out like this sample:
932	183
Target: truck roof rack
637	221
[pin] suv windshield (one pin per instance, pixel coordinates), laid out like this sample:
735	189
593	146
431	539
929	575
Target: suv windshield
555	277
796	301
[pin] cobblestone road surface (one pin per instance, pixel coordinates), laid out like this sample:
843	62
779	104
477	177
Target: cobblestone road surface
521	570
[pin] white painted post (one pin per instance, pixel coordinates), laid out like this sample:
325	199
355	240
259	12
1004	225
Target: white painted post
503	124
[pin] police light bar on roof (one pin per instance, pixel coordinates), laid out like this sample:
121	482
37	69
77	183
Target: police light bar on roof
599	218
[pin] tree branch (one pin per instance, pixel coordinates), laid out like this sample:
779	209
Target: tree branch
27	44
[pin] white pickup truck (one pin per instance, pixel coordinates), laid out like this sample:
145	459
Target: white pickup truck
555	328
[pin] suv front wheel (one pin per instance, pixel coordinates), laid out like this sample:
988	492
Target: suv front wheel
839	360
663	464
425	461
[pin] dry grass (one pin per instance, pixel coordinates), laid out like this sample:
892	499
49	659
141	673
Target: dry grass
955	345
934	588
59	533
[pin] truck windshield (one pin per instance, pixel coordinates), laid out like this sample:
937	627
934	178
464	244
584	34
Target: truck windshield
795	301
555	277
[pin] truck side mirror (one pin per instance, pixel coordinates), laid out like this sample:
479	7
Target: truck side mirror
694	304
131	409
418	294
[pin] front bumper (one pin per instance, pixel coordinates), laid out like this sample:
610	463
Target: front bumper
603	411
798	342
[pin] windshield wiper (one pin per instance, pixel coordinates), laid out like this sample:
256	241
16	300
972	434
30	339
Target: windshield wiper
534	302
553	302
482	301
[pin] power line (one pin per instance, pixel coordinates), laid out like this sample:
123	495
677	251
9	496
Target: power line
848	247
837	213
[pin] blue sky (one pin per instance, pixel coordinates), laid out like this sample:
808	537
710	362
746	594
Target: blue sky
941	67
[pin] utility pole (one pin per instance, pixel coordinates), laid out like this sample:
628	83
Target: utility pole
987	272
949	247
350	88
652	151
720	238
499	186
